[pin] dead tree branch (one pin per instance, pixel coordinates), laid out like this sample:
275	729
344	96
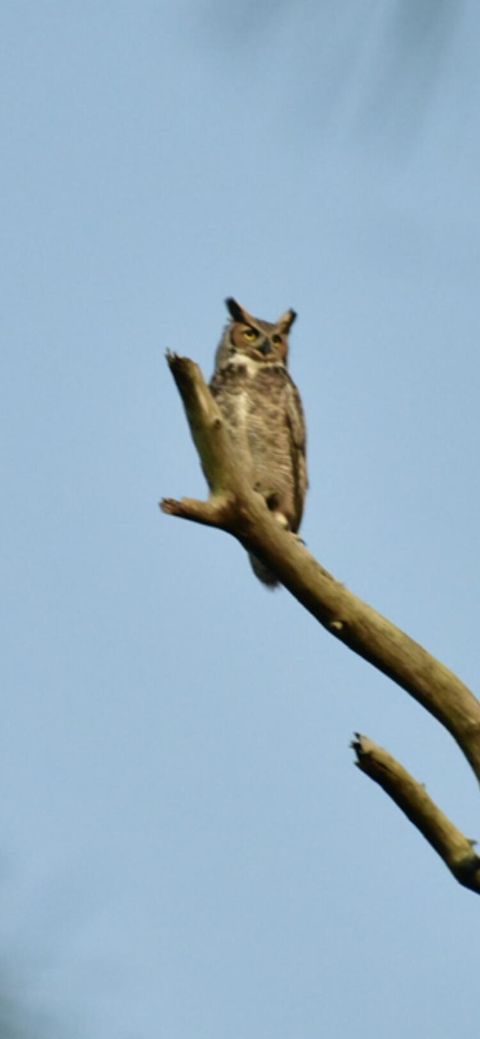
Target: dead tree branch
235	508
454	848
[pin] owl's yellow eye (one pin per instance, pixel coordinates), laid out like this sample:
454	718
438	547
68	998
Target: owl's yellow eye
276	339
250	334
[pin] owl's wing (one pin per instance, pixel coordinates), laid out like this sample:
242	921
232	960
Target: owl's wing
295	418
298	446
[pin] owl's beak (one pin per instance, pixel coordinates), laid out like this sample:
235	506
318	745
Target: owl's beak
266	347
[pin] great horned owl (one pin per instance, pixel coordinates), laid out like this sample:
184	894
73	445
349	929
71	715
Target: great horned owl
264	413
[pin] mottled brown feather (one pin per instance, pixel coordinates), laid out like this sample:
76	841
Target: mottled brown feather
263	411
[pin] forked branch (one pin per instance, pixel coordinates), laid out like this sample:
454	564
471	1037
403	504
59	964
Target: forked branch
235	508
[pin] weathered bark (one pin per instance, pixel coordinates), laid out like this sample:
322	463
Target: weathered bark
235	508
454	848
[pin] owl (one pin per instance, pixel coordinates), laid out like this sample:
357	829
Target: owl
263	411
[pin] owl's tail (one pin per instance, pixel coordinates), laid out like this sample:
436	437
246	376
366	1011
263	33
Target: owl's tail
262	572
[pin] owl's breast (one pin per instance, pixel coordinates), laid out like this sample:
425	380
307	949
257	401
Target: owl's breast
231	387
249	396
253	402
260	405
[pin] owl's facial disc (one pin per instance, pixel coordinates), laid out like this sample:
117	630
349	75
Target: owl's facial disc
265	347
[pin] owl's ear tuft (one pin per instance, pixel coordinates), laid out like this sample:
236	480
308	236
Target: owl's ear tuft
236	311
285	322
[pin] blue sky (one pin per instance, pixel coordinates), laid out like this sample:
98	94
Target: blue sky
187	849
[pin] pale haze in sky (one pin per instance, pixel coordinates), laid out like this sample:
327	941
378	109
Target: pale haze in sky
187	850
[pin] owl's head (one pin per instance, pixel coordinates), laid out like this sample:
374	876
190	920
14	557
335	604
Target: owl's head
261	341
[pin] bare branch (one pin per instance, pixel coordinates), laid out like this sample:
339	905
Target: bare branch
207	426
452	846
214	513
234	507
